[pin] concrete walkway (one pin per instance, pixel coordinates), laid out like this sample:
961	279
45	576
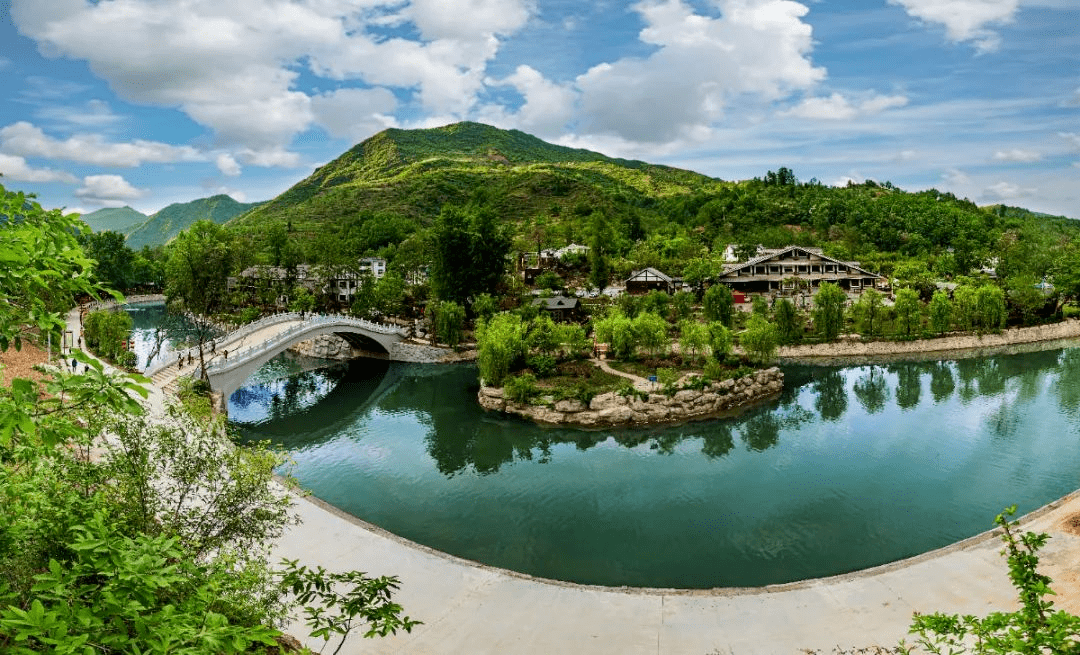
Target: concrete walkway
469	608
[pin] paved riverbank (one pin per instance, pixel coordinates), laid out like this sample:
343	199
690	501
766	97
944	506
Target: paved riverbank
1039	337
469	608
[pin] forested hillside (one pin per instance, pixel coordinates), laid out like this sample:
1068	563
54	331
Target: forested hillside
383	196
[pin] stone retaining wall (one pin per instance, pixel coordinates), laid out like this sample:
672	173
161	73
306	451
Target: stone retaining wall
330	346
612	409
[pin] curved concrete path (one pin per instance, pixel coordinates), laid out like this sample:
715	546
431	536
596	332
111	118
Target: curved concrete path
469	608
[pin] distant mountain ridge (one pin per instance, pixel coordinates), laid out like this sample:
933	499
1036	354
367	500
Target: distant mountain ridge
114	219
158	228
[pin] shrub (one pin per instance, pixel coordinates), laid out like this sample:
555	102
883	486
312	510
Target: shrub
520	388
714	371
543	365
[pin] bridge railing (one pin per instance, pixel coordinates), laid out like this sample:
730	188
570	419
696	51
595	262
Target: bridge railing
242	331
237	357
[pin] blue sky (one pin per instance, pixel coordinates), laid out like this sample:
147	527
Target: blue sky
150	102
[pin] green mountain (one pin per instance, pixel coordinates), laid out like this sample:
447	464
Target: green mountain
167	223
121	219
413	173
384	194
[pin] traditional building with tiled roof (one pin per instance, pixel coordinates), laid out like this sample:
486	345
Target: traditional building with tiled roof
793	269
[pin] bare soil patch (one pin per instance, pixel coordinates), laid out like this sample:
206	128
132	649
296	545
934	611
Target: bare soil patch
20	363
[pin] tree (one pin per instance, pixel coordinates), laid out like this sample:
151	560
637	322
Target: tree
964	307
693	337
390	294
759	339
618	331
500	347
1025	297
719	340
869	312
200	259
719	304
990	308
447	322
542	335
759	306
908	312
650	331
788	322
829	310
940	312
468	254
115	266
42	268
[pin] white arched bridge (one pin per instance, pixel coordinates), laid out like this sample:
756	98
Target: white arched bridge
232	358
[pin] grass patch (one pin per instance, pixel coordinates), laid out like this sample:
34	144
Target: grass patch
578	380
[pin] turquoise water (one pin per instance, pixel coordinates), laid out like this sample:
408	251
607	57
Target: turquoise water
851	467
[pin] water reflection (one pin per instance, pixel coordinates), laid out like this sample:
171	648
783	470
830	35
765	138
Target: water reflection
809	484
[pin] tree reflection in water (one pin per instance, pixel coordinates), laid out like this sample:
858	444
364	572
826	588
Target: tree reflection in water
908	384
941	381
832	395
871	390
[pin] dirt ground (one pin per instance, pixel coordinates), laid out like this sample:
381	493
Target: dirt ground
19	363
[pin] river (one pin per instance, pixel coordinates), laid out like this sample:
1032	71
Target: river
851	467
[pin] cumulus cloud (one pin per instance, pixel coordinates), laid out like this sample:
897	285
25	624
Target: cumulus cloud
1009	191
547	106
227	165
965	20
107	190
355	114
28	140
838	107
756	47
15	168
1017	155
233	67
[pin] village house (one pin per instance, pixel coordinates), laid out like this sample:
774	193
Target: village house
560	308
795	269
649	279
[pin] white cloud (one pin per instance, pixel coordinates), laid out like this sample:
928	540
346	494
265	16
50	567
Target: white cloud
1008	191
227	165
5	64
1017	155
15	168
755	47
956	178
270	157
107	190
547	107
91	114
354	114
462	20
1072	138
837	107
234	66
965	20
27	140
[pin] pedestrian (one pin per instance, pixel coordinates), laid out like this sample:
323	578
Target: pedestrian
213	347
179	362
189	359
226	353
80	341
74	365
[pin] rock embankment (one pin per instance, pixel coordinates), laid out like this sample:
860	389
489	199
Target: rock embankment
613	409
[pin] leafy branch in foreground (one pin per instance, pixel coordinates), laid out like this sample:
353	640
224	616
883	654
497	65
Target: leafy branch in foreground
365	600
1033	629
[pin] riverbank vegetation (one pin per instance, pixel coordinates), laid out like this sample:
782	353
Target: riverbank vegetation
155	539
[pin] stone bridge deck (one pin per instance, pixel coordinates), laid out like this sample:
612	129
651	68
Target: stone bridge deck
231	358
